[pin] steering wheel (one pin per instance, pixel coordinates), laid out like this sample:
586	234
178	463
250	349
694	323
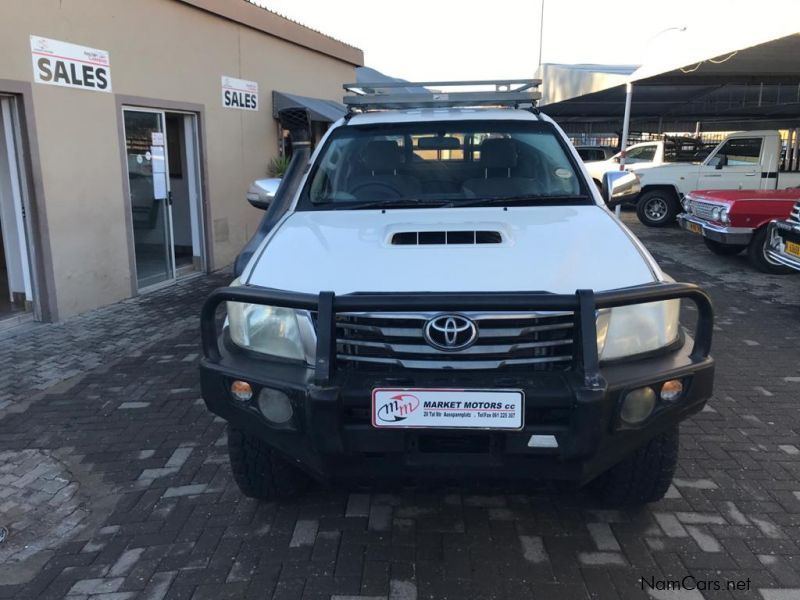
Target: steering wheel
384	188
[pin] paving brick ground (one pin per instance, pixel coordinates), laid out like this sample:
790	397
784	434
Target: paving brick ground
102	421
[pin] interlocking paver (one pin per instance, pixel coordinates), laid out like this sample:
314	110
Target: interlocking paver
145	506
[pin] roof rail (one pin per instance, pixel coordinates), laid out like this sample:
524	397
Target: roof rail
516	93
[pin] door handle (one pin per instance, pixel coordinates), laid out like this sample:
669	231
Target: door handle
749	174
713	175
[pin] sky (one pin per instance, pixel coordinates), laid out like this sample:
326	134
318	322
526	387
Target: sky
421	40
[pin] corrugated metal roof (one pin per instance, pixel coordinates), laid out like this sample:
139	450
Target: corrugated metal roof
757	85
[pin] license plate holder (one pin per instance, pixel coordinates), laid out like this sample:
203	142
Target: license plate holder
437	408
694	228
792	248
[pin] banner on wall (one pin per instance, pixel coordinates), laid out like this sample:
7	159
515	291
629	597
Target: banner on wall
239	93
70	65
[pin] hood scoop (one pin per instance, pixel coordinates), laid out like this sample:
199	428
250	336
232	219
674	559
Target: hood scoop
445	238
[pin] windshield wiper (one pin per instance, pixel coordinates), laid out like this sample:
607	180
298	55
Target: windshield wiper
502	200
388	203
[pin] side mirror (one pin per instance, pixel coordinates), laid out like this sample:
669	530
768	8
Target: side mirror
262	192
720	160
619	186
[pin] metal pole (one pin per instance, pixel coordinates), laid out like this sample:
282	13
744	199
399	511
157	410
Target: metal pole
697	129
541	35
794	149
626	120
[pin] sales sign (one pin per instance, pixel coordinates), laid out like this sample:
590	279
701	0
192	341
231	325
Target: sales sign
239	93
70	65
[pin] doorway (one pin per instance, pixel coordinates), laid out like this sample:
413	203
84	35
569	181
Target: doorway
16	293
164	189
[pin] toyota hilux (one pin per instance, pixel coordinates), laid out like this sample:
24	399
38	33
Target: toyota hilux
439	291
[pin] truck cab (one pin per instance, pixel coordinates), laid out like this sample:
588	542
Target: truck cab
645	155
429	302
745	160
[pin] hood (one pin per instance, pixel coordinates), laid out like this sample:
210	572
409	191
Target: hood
731	196
547	248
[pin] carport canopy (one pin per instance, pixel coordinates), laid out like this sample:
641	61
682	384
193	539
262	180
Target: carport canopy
318	109
751	87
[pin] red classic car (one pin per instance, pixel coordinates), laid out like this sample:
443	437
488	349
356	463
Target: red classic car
731	221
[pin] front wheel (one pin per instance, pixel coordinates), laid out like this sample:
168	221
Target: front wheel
657	208
259	472
642	477
723	249
757	255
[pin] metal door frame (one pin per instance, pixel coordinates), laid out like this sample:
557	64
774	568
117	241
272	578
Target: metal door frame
191	141
20	197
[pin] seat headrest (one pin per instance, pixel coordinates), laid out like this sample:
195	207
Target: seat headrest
383	155
498	153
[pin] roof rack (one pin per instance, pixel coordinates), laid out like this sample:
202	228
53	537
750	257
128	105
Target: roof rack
516	93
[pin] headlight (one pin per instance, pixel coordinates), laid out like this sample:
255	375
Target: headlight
715	213
272	330
723	216
636	329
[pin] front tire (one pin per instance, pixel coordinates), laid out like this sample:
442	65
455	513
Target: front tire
642	477
757	255
723	249
259	472
657	208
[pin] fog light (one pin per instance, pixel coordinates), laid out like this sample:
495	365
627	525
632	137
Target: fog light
241	390
638	405
275	406
671	390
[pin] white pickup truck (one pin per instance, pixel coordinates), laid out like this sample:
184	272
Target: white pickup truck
425	298
649	154
745	160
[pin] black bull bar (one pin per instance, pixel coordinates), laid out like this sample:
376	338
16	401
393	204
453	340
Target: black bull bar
583	304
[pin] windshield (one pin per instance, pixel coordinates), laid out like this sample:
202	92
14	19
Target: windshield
442	163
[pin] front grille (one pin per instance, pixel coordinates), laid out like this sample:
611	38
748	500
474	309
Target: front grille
702	210
794	217
530	341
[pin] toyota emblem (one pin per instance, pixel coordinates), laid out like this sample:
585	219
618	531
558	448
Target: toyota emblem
450	332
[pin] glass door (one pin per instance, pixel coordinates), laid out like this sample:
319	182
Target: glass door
148	185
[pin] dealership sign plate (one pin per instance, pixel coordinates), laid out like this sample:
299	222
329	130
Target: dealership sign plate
70	65
447	409
239	93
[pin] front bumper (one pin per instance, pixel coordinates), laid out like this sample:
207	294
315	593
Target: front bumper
734	236
778	234
331	435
